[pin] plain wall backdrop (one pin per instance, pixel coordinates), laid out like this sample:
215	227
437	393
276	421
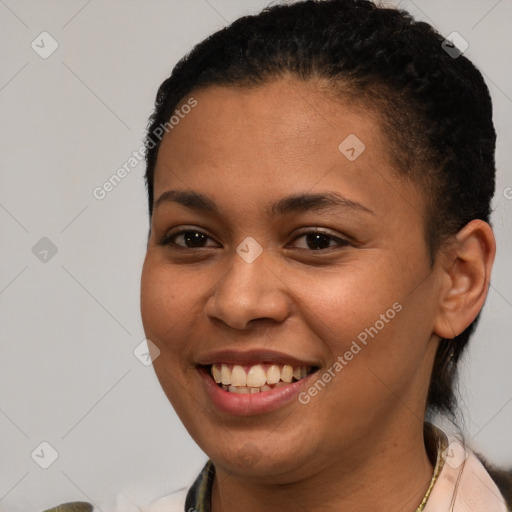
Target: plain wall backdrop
70	263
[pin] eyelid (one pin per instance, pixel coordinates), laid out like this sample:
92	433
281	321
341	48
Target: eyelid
166	238
342	241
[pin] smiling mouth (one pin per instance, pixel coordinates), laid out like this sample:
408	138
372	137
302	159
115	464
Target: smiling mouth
258	378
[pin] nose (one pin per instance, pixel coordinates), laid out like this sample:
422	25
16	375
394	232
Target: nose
248	294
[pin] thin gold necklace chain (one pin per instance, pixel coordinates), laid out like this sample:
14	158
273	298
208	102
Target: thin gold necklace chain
437	471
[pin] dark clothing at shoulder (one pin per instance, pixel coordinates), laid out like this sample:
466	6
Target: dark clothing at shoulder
75	506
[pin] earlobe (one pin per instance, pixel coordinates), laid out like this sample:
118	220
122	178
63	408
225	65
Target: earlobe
467	265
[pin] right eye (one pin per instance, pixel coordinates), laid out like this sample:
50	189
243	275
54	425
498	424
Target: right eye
187	239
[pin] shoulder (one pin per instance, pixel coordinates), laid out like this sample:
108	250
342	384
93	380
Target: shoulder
173	501
501	477
75	506
131	502
464	484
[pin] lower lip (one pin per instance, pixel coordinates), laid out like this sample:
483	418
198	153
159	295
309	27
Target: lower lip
250	404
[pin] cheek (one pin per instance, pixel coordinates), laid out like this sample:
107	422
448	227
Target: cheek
368	317
164	307
339	305
164	300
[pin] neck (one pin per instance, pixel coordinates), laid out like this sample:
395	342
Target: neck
393	475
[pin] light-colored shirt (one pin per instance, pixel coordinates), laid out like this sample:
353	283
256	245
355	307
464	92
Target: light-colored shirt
460	483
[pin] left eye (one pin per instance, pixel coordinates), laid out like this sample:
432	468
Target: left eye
318	240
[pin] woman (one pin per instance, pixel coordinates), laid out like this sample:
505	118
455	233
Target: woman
319	181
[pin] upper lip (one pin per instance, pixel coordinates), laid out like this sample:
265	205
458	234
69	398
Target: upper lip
248	357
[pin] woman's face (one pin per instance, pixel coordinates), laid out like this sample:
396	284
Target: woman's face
255	174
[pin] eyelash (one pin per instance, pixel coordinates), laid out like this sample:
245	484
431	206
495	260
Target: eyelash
170	239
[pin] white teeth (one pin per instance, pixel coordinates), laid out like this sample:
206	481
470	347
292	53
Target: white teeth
287	373
235	378
238	376
273	374
242	390
256	376
225	375
216	374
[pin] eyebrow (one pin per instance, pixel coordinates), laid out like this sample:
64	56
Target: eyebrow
296	203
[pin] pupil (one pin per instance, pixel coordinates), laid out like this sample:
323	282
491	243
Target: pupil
194	239
316	240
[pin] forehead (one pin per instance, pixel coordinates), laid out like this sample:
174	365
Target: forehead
273	139
300	118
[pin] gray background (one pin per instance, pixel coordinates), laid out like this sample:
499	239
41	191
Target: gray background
70	324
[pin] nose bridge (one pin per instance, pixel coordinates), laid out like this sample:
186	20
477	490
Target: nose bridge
247	290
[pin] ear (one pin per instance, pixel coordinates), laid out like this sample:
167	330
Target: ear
466	271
